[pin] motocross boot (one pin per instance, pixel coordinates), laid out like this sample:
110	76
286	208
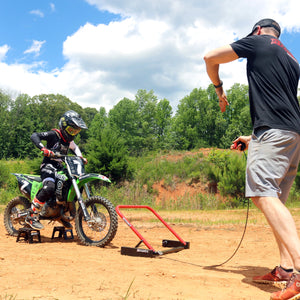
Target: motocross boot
33	221
32	218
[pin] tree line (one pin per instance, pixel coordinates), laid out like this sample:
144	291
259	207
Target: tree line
131	128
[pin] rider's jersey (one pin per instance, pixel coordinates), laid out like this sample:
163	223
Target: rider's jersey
55	142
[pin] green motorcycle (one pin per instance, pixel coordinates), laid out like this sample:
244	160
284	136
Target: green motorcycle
96	221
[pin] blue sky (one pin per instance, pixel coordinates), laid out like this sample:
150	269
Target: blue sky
22	22
292	41
97	52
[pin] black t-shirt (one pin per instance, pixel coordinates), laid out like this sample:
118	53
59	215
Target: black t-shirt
273	76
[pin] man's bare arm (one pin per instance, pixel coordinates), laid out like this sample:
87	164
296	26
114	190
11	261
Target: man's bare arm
213	59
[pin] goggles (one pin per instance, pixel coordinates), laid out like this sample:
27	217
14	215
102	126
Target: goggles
72	131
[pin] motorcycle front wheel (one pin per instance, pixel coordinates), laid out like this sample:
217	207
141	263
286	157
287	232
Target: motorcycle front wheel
102	227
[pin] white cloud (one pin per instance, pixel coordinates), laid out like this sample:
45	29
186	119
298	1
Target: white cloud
3	50
237	14
35	47
157	45
37	12
52	7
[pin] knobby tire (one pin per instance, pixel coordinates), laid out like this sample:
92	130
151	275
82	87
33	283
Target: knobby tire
113	222
17	201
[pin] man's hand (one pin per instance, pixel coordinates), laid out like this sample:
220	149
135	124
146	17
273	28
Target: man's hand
85	161
213	59
223	102
237	143
47	152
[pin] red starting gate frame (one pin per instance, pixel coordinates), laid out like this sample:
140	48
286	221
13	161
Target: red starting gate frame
175	246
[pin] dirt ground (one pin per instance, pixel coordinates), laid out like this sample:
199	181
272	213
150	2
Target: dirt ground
64	269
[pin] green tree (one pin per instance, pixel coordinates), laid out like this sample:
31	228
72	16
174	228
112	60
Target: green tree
123	118
237	114
143	122
5	124
147	102
106	148
163	119
99	122
21	117
200	123
108	155
195	121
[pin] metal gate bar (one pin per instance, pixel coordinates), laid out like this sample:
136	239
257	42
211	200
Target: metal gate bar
177	245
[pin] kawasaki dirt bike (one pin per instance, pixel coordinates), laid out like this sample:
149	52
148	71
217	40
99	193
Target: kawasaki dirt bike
96	220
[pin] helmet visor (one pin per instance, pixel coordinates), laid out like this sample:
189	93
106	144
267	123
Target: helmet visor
72	131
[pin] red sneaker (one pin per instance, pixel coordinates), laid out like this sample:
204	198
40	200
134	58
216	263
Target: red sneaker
277	277
291	292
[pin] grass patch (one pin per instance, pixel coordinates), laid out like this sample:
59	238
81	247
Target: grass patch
143	217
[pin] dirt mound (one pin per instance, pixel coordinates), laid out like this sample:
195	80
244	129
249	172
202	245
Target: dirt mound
178	190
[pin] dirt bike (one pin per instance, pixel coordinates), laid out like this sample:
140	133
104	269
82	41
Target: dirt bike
96	220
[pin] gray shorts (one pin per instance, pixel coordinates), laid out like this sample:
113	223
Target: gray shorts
272	163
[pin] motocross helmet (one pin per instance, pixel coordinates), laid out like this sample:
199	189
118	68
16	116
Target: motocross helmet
71	124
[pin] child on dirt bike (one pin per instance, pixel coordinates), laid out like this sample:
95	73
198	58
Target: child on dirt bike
58	140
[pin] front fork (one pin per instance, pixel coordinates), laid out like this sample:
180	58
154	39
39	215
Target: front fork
87	190
80	201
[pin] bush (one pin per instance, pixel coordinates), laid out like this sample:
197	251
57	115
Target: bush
4	174
108	156
227	169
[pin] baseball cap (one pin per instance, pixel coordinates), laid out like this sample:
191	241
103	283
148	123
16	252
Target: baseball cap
266	23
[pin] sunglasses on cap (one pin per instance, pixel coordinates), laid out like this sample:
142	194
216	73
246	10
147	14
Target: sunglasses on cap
72	131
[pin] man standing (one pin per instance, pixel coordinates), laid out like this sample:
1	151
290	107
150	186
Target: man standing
274	146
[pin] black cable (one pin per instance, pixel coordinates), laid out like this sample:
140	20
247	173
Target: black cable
247	216
236	250
227	260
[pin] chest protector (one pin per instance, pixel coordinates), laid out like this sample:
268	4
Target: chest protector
61	146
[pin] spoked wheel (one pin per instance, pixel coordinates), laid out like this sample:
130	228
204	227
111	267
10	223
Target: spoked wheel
102	227
15	214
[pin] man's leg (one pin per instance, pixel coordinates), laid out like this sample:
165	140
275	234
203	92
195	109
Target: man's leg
33	215
285	258
283	226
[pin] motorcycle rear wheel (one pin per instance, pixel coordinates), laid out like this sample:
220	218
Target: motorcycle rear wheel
102	228
12	220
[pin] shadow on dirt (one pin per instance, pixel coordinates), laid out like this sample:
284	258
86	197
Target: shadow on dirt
247	271
58	239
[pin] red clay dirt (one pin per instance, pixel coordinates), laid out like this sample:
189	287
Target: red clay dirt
64	269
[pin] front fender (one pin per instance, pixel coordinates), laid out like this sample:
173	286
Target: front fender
82	180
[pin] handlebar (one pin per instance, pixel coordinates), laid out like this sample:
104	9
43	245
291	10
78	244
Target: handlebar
63	156
58	155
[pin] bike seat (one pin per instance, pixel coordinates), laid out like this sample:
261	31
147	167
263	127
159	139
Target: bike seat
34	177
